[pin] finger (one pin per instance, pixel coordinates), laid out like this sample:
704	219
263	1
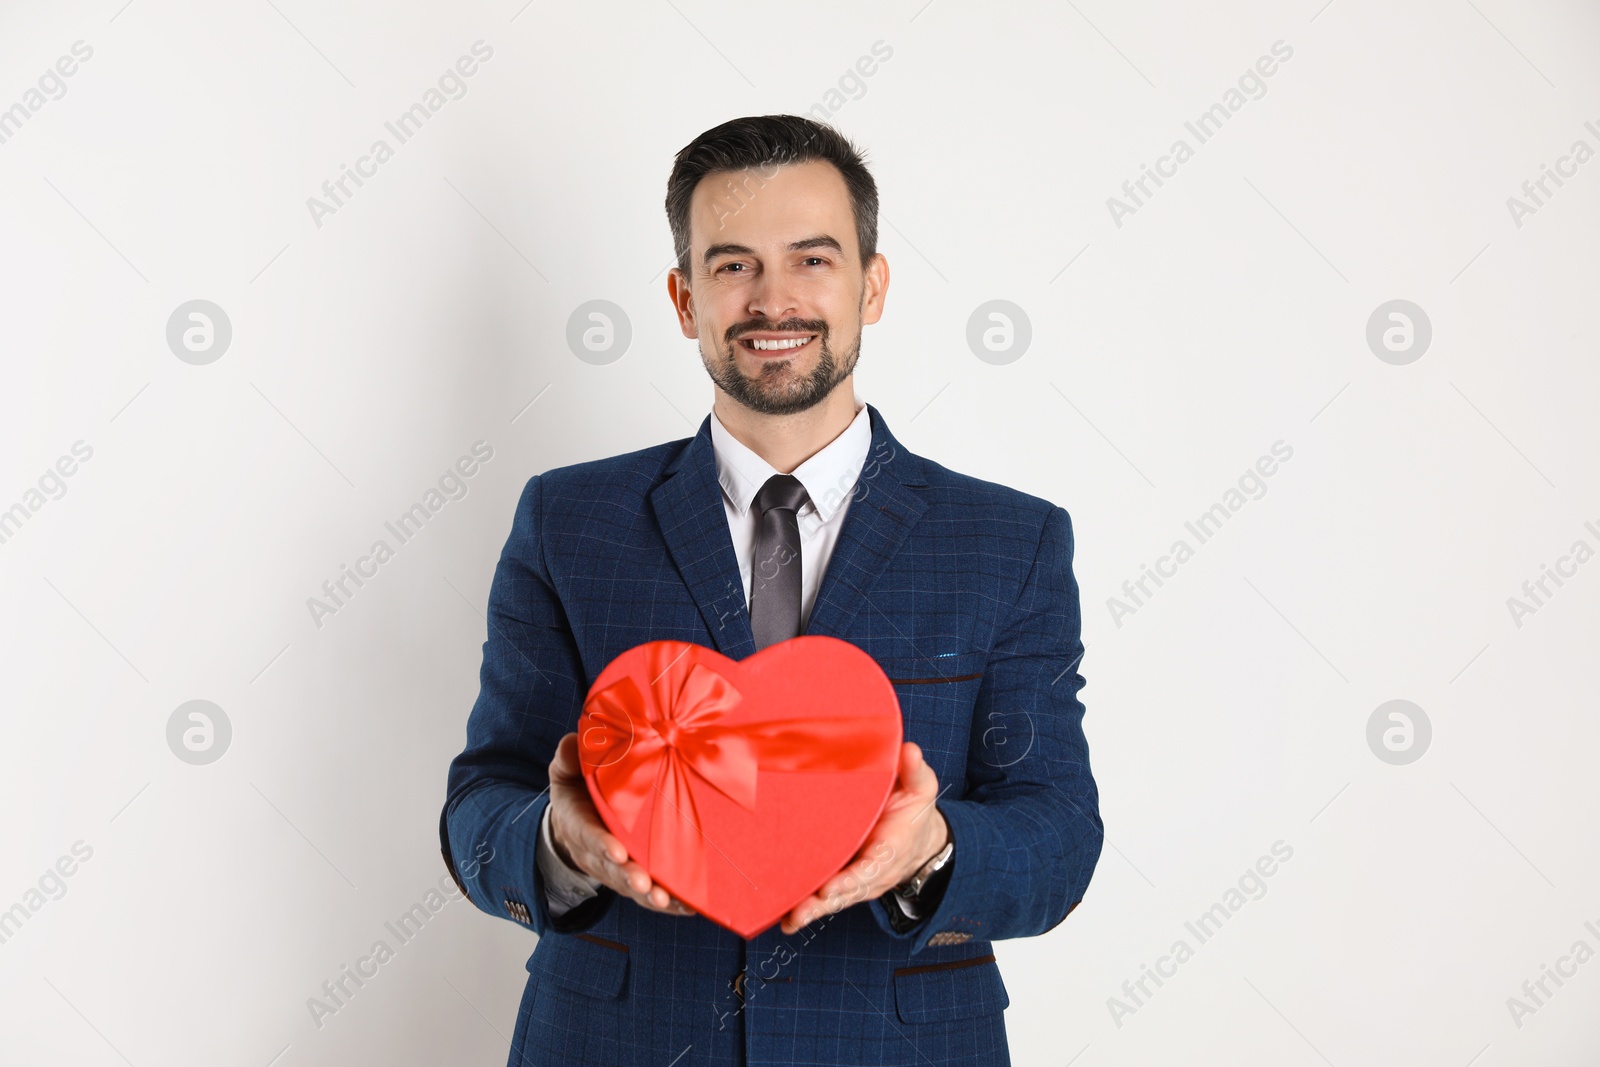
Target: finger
843	890
797	917
910	759
607	845
655	898
599	858
593	835
597	853
640	899
839	887
668	903
916	773
813	908
564	767
672	905
636	878
620	880
638	884
855	882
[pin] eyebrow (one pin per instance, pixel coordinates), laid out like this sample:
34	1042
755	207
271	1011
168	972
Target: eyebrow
819	241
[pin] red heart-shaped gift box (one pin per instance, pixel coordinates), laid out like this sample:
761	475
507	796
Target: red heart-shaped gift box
741	786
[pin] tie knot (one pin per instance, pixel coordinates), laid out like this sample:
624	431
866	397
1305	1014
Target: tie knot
781	491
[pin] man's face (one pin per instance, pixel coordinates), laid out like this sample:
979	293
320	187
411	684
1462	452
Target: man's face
776	292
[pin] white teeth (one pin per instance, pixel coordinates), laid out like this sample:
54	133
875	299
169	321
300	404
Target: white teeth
773	346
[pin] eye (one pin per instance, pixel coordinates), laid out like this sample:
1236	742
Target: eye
817	259
729	266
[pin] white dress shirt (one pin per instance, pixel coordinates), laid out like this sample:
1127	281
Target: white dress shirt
829	478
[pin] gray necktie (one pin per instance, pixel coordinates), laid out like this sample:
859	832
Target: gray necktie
775	566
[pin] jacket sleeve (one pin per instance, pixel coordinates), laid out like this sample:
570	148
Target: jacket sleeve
1027	828
531	690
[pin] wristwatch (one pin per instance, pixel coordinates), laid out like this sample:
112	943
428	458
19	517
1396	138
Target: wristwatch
913	885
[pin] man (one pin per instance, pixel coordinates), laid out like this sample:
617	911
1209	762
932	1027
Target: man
793	509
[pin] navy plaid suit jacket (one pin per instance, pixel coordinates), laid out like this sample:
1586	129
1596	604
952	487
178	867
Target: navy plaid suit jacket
963	592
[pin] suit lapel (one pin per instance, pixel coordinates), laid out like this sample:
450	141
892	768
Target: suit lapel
882	511
688	505
694	524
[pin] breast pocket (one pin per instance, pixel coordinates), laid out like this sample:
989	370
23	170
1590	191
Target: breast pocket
937	696
910	674
956	989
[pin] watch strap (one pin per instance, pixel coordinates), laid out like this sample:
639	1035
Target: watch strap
913	886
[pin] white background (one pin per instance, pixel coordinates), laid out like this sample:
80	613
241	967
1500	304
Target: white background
1229	312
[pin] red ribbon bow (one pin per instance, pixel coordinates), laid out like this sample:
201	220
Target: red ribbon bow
671	738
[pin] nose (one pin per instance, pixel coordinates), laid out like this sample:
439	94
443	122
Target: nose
772	299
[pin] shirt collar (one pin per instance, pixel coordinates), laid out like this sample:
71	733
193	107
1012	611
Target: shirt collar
829	476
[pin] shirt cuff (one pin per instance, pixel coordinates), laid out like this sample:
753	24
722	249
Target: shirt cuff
564	887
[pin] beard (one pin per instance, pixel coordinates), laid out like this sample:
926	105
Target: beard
777	390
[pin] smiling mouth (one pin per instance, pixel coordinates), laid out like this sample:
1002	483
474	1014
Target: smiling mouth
775	346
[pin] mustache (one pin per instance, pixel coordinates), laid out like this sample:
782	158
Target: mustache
816	326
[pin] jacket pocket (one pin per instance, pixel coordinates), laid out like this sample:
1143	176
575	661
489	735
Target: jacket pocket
917	671
955	989
581	963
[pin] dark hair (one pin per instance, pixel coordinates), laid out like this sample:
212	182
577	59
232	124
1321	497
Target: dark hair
769	141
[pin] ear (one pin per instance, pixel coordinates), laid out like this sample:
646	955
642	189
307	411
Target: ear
874	289
682	302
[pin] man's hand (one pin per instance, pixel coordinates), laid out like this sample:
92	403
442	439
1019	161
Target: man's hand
909	833
582	840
